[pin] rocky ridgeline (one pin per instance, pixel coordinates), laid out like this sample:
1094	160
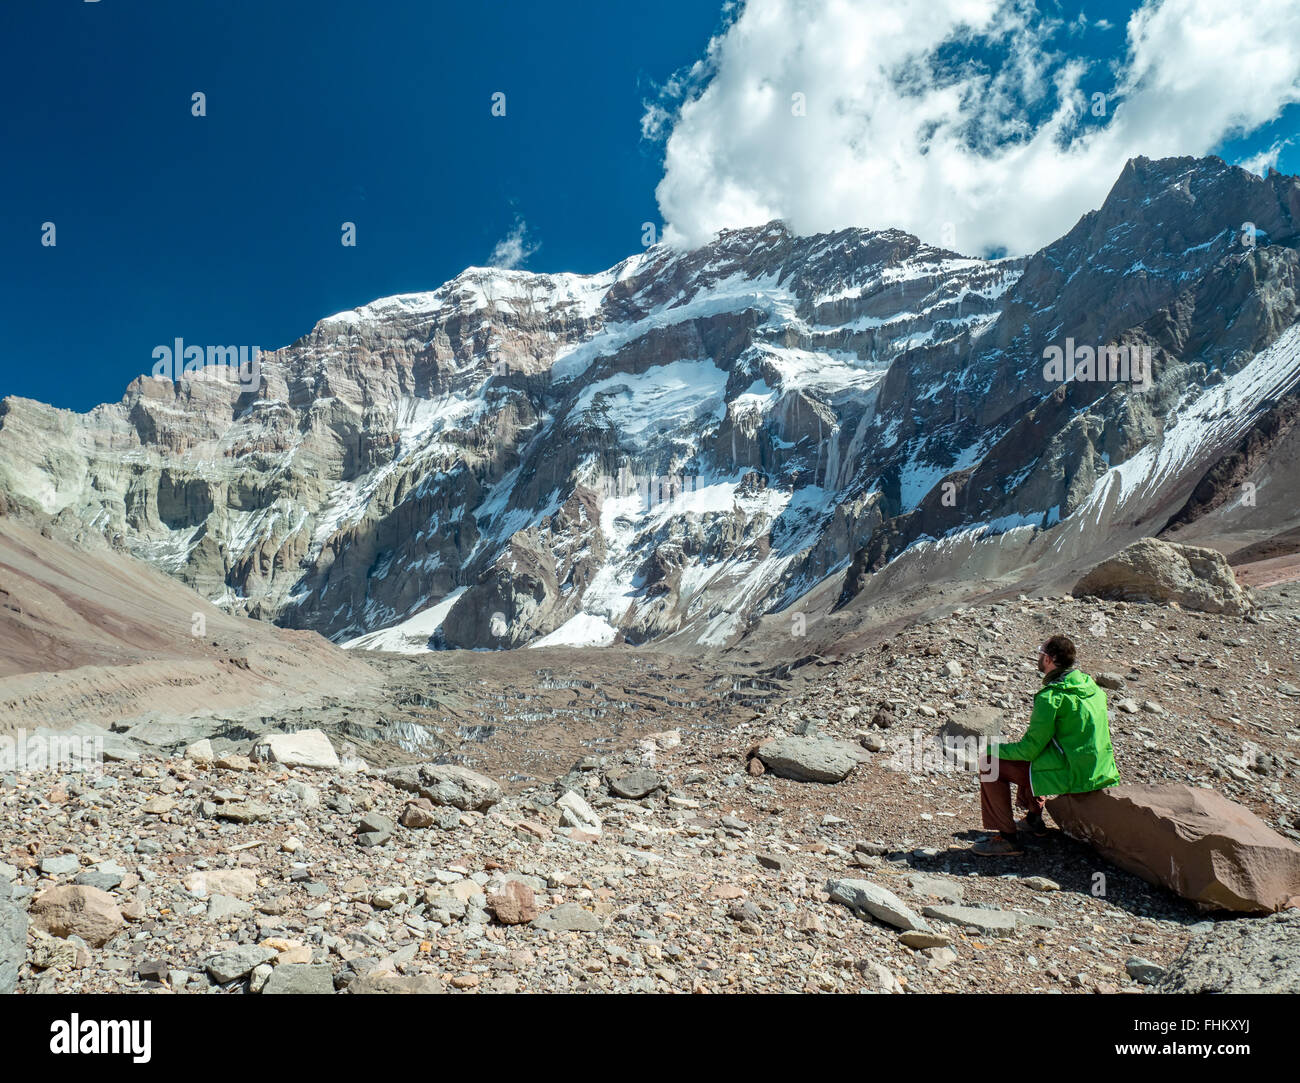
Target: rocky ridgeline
677	446
686	863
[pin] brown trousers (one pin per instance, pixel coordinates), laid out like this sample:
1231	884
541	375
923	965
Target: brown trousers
995	794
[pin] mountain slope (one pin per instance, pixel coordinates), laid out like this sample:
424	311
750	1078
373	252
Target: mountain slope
669	449
94	637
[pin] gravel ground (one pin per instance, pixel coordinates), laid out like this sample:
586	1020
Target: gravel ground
714	881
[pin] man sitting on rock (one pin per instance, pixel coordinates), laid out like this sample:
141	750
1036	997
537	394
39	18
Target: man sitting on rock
1065	750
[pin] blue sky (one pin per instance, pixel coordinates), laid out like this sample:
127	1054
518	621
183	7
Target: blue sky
225	229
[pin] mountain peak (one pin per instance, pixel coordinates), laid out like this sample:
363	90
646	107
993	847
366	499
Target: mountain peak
670	448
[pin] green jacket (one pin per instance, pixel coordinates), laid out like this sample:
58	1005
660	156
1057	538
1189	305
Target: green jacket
1068	740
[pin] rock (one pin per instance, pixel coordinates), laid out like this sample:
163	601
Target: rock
76	910
744	911
223	908
388	897
878	977
60	865
13	944
1253	955
990	922
1190	840
1114	681
935	887
307	796
1143	970
305	748
152	970
1040	883
298	953
809	759
375	829
200	751
775	862
300	979
441	899
635	784
1167	573
941	958
233	762
864	897
661	741
239	883
531	831
977	721
575	812
418	814
244	812
48	952
920	939
514	904
106	876
389	982
447	784
952	669
159	806
234	963
569	917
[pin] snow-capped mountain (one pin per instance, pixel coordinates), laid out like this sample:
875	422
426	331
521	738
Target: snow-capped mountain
671	448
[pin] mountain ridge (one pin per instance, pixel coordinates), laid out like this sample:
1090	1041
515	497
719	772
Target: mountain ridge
791	411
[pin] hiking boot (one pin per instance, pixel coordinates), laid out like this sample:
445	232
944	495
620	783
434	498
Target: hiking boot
997	846
1034	825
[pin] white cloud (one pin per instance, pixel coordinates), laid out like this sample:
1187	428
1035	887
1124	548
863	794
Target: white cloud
513	249
1265	160
898	133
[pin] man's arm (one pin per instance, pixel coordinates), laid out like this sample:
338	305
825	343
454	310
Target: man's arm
1042	728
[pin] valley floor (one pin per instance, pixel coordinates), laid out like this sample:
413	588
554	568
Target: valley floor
714	882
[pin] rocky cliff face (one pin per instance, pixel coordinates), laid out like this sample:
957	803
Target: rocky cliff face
671	448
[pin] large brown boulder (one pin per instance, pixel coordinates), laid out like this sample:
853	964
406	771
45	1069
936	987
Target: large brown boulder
1190	840
1157	571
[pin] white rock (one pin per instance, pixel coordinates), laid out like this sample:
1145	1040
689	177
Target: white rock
306	748
200	751
237	883
575	812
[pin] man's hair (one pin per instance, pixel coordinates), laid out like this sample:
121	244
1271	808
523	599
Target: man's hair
1061	650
